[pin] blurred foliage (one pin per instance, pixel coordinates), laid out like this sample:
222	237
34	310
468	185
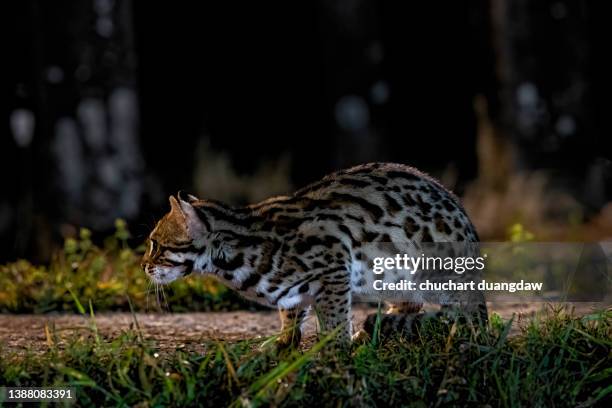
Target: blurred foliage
513	259
569	271
106	275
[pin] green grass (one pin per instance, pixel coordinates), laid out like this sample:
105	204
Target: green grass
560	360
107	274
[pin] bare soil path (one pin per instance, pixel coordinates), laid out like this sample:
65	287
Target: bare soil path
186	330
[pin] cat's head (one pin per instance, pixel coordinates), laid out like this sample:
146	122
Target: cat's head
175	242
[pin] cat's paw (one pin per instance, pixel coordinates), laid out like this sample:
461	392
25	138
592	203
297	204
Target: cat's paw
288	340
361	337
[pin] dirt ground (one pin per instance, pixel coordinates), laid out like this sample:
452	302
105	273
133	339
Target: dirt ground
190	330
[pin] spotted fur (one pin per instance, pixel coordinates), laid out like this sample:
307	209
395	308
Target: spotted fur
312	249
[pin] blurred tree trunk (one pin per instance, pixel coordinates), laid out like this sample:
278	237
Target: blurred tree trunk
548	58
403	89
86	164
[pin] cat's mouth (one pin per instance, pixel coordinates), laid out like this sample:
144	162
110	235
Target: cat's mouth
162	275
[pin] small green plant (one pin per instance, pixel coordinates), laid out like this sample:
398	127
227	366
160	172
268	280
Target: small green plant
518	233
496	322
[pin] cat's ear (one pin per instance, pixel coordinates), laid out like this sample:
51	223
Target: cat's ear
195	221
190	198
175	207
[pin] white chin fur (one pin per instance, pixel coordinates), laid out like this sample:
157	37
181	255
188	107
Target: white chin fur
164	275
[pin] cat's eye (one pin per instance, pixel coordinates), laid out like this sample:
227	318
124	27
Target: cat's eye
153	246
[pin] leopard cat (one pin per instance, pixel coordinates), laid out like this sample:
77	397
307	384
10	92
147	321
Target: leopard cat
314	249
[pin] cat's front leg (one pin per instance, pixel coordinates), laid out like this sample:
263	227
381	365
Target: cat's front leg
333	310
291	327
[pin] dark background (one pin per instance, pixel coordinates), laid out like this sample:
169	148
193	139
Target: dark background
110	102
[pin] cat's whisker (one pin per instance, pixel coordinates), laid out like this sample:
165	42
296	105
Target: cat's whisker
157	295
148	292
165	299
